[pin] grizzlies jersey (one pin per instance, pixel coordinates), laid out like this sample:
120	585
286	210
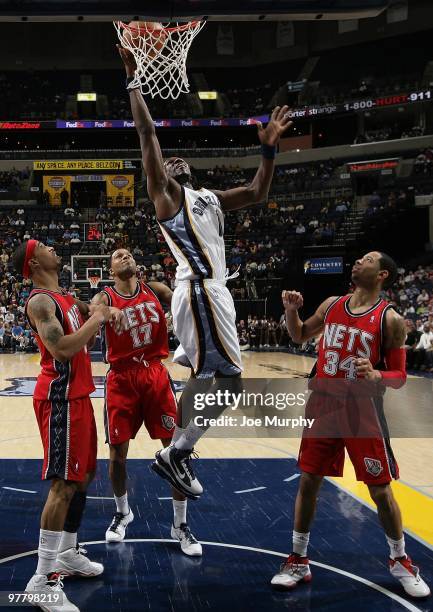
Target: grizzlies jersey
195	235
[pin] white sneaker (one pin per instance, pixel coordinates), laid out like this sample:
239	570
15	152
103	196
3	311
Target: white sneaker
50	587
117	529
409	577
294	570
188	543
73	562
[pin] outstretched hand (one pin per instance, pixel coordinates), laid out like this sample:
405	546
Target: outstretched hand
128	60
278	124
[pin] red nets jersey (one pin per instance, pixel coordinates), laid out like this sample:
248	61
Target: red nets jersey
69	380
348	336
146	336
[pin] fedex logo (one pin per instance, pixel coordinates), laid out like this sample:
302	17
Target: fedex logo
337	336
74	124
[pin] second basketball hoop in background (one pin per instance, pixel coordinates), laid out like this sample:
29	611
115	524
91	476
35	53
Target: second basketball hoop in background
160	53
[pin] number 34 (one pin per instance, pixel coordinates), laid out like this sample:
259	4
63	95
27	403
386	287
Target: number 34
333	364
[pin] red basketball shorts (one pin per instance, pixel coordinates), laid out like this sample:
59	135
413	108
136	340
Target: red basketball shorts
371	456
68	433
136	395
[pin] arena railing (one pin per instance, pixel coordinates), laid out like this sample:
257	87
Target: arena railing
127	153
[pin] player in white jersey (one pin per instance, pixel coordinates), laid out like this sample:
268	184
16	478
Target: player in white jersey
192	222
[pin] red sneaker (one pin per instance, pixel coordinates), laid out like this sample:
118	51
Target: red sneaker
295	569
408	575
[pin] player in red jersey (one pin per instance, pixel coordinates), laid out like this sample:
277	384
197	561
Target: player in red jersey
64	414
363	338
138	387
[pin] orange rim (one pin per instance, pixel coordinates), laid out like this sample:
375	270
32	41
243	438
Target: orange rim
181	28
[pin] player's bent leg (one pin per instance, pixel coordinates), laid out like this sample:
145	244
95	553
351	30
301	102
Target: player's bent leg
174	462
179	529
71	557
123	515
296	568
400	564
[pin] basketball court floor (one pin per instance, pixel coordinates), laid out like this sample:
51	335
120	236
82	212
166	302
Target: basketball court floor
244	518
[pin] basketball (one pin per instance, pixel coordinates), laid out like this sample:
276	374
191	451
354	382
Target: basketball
216	305
148	35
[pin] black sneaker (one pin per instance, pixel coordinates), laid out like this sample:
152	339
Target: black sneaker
174	465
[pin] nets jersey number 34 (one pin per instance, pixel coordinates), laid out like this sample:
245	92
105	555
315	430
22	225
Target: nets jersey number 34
343	345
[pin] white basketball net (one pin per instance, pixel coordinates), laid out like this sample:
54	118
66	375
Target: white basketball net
160	55
94	281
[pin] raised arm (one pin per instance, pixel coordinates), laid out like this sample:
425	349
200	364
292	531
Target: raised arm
257	191
164	293
42	314
164	191
301	331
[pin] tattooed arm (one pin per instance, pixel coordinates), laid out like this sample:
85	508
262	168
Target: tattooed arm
42	315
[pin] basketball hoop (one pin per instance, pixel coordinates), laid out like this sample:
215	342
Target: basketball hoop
94	281
160	53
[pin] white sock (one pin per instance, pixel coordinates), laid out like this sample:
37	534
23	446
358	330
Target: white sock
68	540
189	437
396	547
178	431
179	510
122	503
300	543
47	551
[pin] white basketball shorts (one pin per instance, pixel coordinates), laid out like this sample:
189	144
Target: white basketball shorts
204	321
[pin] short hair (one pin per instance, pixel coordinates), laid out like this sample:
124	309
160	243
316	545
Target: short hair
387	263
19	256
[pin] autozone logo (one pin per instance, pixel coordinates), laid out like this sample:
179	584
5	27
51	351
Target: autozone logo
23	125
119	181
57	182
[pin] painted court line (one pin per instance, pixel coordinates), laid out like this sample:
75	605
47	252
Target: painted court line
291	478
20	490
403	602
165	498
97	497
250	490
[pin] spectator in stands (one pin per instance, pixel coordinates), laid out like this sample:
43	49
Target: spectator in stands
423	353
6	337
17	336
64	197
412	339
75	238
272	332
9	317
253	332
